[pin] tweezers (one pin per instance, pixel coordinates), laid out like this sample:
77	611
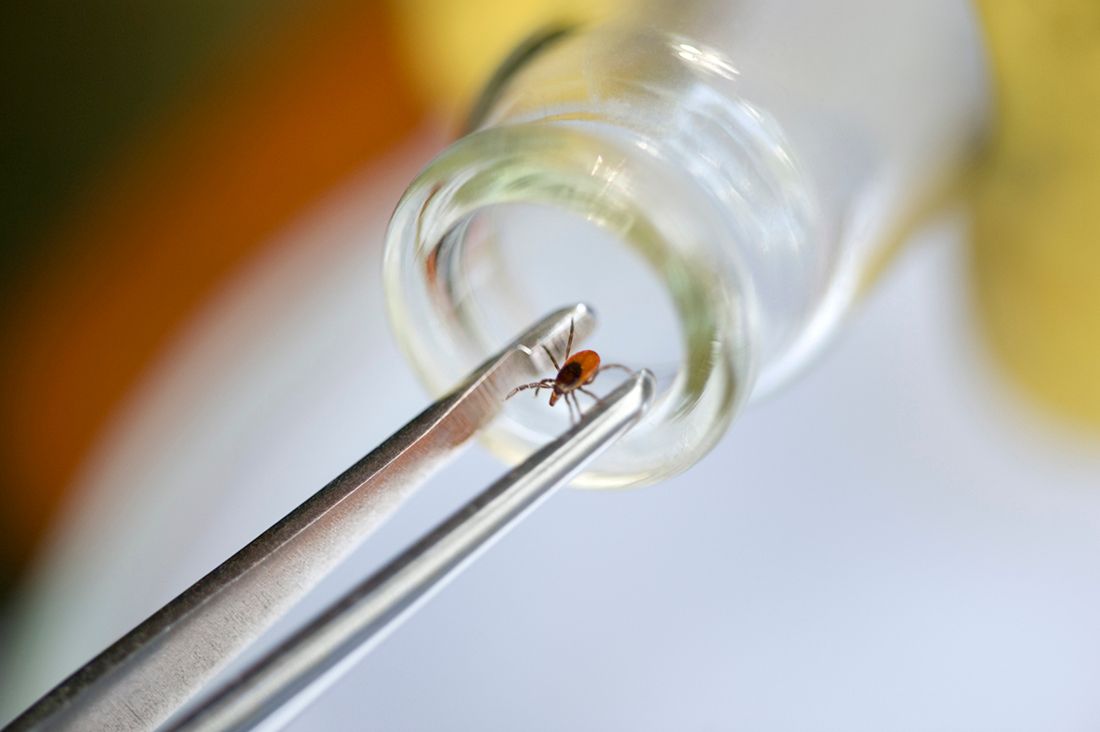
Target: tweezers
151	676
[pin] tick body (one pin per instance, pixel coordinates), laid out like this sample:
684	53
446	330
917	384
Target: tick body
575	373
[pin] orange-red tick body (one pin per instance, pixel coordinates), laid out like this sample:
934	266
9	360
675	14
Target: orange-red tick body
578	371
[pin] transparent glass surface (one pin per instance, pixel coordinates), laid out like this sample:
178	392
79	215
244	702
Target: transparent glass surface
517	222
714	188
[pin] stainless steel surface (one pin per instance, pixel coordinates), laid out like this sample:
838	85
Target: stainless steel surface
282	683
152	671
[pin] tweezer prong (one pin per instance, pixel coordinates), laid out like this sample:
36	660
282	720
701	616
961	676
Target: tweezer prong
151	672
279	685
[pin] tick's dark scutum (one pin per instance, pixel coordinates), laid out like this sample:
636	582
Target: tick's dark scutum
570	374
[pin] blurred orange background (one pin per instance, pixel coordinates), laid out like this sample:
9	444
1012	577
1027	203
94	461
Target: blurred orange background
152	150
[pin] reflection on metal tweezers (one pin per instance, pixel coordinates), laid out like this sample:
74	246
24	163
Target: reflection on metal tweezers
153	671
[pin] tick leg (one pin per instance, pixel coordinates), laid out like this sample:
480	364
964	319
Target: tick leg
552	359
571	400
586	392
607	366
568	347
577	404
522	387
569	344
569	406
533	385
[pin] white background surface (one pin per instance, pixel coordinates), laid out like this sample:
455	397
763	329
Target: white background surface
895	542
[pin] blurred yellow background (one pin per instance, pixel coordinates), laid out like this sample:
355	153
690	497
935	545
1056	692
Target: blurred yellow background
154	149
1036	228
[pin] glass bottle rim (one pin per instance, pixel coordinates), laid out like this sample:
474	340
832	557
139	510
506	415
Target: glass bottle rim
557	164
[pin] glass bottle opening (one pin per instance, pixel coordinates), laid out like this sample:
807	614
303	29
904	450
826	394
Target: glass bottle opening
514	222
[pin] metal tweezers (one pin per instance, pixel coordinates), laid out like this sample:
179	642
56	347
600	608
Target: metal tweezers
150	677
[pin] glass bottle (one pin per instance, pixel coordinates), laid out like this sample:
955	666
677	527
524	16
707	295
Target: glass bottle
714	178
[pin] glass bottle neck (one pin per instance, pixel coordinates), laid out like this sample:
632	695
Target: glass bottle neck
518	220
638	172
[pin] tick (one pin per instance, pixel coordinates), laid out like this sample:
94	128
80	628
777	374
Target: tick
576	372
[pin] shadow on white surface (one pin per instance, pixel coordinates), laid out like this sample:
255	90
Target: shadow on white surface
891	543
